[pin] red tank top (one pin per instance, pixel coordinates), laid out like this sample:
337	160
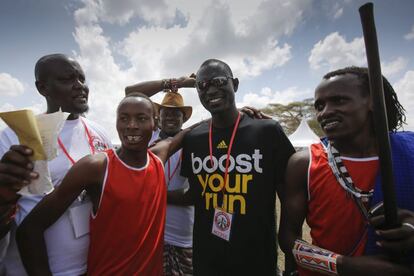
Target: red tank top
126	234
334	218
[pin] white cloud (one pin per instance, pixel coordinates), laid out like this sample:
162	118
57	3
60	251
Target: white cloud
410	35
393	67
405	91
333	10
338	13
106	81
335	52
10	86
7	107
246	38
4	108
267	96
176	36
149	47
37	108
120	12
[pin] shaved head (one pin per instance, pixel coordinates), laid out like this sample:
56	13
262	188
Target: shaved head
216	63
43	65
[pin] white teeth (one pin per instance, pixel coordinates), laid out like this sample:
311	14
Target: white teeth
133	138
331	124
215	100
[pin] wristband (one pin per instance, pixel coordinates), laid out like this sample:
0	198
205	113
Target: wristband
315	258
174	85
170	84
166	84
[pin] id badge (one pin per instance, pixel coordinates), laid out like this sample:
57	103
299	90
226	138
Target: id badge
222	222
79	218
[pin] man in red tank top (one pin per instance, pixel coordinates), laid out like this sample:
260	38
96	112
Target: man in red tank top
331	185
127	189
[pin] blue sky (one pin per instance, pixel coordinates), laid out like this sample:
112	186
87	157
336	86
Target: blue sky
278	49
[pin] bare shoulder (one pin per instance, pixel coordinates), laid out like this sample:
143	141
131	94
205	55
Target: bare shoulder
299	160
92	160
297	169
91	165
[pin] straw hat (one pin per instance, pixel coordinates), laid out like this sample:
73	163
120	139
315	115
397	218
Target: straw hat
175	100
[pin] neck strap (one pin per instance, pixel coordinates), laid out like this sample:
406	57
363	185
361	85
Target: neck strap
345	180
90	142
236	125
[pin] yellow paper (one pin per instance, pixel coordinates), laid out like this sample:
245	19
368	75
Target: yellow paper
23	123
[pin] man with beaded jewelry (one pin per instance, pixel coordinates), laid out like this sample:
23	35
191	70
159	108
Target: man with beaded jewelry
336	182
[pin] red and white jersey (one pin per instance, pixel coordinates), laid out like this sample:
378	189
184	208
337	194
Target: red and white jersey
334	218
127	231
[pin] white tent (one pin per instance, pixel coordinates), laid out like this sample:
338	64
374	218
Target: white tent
303	135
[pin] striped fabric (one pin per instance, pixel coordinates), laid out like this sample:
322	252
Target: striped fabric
178	261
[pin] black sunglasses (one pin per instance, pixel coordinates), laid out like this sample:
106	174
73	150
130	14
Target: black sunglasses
217	82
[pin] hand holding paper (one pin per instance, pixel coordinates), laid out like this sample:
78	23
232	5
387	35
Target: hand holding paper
40	134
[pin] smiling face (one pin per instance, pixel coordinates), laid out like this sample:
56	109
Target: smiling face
171	120
64	86
135	123
216	87
343	107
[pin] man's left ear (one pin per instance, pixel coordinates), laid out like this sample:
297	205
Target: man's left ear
235	84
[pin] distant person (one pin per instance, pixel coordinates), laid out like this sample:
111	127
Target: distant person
61	81
128	193
334	184
178	236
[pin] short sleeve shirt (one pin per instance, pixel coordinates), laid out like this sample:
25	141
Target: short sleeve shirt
257	164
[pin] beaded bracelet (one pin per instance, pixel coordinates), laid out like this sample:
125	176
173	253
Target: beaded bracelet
170	84
315	258
166	84
174	85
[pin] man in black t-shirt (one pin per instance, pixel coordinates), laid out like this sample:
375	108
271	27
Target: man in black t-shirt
234	165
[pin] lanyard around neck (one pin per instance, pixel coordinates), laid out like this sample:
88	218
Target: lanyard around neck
88	135
210	140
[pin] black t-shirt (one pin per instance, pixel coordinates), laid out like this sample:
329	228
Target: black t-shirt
257	164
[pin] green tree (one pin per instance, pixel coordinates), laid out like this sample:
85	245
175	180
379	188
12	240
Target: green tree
290	115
